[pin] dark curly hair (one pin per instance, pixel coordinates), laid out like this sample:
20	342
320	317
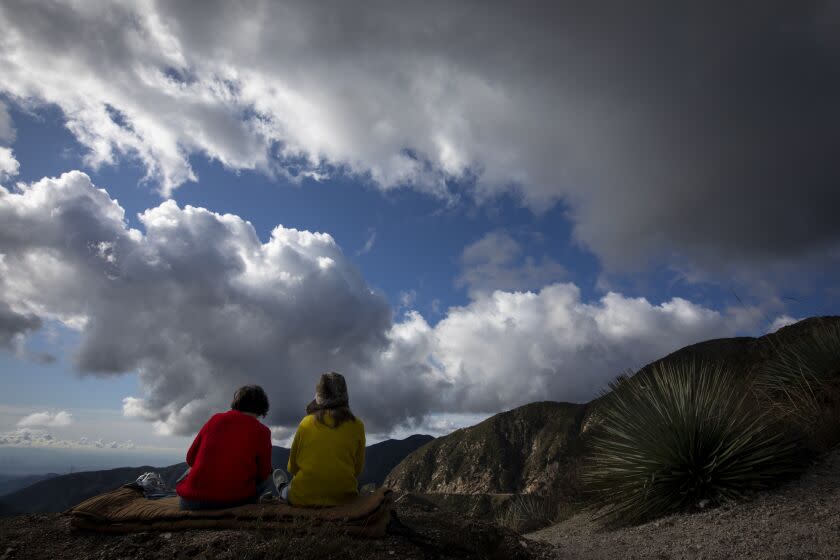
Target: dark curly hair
250	398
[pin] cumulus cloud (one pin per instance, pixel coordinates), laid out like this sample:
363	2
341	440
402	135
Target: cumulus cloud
197	305
713	144
9	166
47	419
507	349
497	262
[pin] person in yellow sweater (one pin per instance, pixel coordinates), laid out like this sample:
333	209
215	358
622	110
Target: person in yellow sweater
328	451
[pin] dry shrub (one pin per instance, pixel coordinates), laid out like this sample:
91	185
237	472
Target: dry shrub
529	512
800	384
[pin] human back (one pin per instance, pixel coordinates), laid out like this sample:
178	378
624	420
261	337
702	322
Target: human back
328	450
230	456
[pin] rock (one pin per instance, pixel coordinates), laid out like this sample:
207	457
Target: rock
524	450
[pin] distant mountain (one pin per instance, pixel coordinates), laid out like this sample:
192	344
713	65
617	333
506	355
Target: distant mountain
62	492
13	483
382	457
523	450
279	457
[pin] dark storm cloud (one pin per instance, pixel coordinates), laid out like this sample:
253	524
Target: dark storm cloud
704	135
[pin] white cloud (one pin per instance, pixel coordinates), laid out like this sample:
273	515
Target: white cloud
371	240
506	349
198	305
782	321
33	437
407	298
47	419
559	102
9	166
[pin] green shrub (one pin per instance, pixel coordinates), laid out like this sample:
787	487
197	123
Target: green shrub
680	434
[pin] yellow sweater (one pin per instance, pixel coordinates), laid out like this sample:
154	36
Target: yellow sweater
326	462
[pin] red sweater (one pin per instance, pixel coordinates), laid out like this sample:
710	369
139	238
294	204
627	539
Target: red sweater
230	455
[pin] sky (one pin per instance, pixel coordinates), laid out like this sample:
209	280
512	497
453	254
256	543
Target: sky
463	207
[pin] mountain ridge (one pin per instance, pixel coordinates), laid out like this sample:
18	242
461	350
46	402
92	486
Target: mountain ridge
64	491
464	462
517	451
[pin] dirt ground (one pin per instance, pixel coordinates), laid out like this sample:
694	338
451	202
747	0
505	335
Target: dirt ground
799	520
419	533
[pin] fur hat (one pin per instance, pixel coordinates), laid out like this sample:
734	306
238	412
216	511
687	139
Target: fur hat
330	392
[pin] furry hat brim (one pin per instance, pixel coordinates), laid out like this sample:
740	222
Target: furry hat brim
313	405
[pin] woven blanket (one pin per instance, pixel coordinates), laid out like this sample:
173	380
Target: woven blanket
125	510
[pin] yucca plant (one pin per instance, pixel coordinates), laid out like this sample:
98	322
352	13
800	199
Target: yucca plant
800	384
679	435
815	357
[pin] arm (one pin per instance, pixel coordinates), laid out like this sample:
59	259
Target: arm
293	454
360	454
264	454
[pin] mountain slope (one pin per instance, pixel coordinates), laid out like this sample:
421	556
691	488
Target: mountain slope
63	492
530	448
799	520
11	483
382	457
523	450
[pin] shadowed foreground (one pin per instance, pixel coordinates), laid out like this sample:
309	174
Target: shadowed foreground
418	535
799	520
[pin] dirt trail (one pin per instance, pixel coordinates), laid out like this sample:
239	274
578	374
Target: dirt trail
800	520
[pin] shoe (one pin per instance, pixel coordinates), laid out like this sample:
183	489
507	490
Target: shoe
268	498
280	478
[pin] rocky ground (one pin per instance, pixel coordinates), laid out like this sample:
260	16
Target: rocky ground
422	532
800	520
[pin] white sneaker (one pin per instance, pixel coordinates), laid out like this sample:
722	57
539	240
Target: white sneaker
280	478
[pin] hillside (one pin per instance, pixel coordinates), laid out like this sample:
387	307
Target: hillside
799	520
59	493
13	483
62	492
529	448
523	450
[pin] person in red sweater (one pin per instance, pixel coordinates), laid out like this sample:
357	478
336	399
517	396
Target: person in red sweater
230	459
